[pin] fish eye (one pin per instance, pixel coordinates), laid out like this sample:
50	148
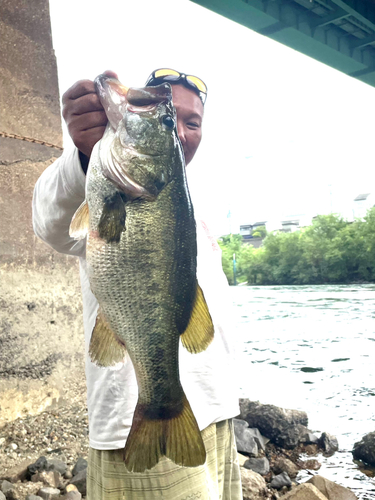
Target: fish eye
168	121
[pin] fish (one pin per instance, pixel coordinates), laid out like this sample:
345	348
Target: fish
141	256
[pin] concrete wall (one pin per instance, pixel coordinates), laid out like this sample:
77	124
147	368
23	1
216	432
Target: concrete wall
41	334
29	97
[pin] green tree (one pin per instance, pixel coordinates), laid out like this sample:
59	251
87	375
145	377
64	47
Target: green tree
330	250
231	244
322	255
260	232
366	231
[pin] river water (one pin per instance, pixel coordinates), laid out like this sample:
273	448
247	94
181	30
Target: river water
312	348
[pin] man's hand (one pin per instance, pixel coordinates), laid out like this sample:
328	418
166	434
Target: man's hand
84	115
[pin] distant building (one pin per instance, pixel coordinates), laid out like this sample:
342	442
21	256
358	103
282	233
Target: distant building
289	226
362	203
247	231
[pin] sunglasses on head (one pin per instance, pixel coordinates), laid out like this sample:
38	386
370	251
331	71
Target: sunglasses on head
172	76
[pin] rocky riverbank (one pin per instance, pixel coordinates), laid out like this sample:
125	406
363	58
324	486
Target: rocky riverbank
60	435
270	441
44	456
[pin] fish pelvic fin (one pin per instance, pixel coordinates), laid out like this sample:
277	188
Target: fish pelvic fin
105	348
177	438
112	220
79	226
200	331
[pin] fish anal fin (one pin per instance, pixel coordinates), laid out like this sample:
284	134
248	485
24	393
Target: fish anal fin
200	331
177	438
112	220
105	349
79	226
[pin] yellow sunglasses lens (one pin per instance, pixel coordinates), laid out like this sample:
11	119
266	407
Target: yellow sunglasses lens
197	82
166	72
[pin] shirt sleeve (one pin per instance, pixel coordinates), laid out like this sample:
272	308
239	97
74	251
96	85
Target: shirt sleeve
58	193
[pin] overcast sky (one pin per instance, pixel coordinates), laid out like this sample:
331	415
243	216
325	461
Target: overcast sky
283	134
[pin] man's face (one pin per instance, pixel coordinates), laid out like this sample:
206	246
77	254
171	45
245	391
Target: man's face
189	110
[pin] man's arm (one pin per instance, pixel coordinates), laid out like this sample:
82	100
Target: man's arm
61	188
57	194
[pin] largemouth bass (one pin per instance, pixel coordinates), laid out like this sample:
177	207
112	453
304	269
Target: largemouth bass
141	255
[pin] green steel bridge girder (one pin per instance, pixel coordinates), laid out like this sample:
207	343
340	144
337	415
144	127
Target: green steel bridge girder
338	33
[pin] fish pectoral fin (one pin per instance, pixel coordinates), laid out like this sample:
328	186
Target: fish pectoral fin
106	349
200	331
175	436
112	220
79	226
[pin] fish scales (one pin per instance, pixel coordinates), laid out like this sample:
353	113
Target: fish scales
145	297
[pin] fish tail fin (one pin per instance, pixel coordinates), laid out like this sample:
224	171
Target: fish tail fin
177	438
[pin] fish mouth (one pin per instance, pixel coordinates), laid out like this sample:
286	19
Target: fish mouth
149	96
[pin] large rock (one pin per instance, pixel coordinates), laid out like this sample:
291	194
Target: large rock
2	496
331	490
253	485
49	478
48	493
8	489
365	449
240	425
70	487
38	466
329	443
283	464
308	437
259	465
281	480
283	427
73	495
81	464
79	480
244	438
260	440
311	464
304	492
57	465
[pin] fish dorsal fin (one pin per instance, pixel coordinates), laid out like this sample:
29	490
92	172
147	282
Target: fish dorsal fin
200	330
105	349
79	226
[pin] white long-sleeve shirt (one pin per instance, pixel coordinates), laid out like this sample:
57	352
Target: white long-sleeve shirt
208	378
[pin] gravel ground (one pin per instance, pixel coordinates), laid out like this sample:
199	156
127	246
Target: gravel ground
59	432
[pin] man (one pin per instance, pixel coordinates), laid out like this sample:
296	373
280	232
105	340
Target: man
207	378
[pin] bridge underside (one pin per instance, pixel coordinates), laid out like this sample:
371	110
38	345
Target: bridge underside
336	32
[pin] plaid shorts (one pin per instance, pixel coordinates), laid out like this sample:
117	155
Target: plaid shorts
217	479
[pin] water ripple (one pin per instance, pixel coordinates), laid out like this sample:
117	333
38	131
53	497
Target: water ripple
333	380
